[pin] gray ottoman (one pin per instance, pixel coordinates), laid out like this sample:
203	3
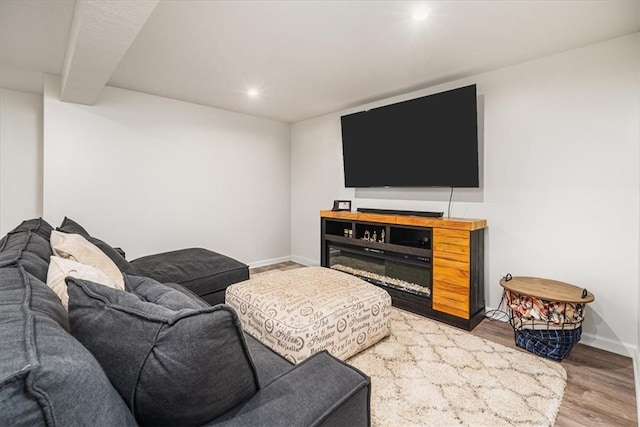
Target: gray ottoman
203	272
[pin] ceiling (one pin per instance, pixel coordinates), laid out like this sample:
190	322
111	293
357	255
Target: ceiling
308	58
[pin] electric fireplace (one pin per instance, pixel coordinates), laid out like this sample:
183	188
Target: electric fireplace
388	269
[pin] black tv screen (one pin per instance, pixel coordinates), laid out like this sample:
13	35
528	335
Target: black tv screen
430	141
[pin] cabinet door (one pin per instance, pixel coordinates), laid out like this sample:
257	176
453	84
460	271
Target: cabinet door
451	252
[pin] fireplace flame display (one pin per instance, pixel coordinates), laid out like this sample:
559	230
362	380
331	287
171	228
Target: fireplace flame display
384	280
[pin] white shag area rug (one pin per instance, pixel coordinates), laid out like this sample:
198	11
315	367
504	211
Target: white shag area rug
430	374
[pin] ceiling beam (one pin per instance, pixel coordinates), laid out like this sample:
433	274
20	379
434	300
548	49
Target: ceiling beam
101	33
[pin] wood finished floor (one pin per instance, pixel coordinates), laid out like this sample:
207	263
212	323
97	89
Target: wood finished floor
600	387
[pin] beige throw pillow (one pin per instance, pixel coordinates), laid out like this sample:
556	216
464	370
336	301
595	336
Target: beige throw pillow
60	268
76	248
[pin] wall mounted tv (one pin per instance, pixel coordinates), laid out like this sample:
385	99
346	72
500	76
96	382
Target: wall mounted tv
430	141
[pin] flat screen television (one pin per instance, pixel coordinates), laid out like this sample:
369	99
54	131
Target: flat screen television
430	141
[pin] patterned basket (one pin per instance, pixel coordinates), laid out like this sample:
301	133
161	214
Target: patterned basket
556	313
547	328
554	344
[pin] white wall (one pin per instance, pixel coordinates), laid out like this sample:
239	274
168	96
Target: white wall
20	158
153	174
561	179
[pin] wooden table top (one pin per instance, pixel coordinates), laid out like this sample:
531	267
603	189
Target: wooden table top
546	289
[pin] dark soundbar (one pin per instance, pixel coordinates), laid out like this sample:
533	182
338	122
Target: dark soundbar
399	212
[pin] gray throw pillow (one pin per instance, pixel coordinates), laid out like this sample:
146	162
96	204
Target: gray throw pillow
173	360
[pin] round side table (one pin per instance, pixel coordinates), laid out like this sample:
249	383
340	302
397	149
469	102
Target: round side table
546	315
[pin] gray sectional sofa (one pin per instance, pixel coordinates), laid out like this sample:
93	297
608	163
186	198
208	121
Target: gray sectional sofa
154	354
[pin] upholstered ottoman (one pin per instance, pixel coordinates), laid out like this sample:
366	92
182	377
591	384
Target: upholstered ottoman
203	272
300	312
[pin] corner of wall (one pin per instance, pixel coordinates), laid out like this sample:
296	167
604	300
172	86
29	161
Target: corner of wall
305	261
21	153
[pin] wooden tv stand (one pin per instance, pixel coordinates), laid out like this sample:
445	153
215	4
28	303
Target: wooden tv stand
430	266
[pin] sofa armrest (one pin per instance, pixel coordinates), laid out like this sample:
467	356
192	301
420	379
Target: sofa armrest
320	391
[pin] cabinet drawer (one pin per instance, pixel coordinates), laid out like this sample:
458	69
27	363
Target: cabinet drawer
461	257
451	272
451	307
451	298
451	241
451	263
452	291
442	288
441	255
446	278
446	233
446	247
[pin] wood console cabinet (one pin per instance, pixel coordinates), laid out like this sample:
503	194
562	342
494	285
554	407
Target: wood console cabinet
430	266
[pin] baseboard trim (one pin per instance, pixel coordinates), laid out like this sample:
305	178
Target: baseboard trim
305	261
607	344
269	261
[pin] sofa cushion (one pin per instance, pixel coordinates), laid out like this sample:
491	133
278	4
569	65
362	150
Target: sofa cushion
76	248
70	226
46	376
173	361
60	268
319	391
205	273
27	248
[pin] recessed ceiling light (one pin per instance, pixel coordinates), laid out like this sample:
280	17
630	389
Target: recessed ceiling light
253	92
419	14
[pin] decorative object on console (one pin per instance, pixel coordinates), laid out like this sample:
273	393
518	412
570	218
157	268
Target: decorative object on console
341	205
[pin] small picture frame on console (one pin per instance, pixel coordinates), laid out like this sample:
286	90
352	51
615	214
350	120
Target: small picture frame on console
341	205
